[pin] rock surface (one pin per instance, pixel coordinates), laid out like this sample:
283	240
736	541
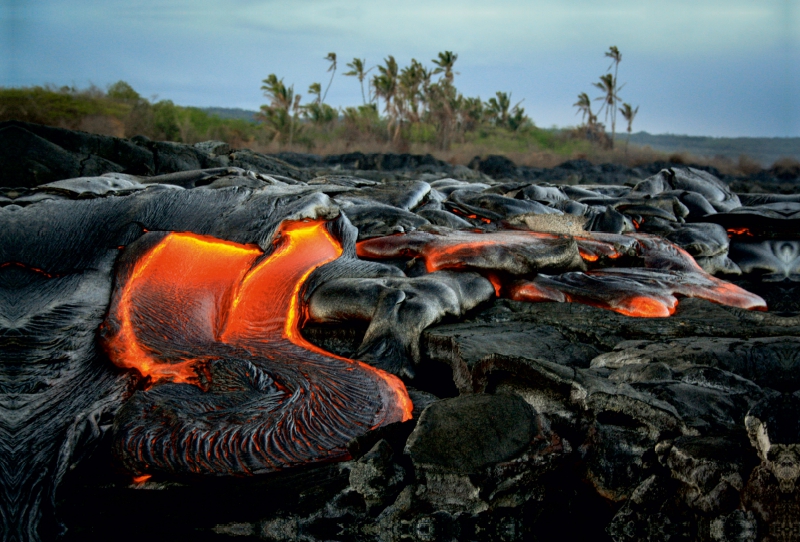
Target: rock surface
532	419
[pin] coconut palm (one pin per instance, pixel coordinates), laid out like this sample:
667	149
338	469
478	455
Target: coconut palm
280	96
517	118
584	105
608	85
332	68
410	81
445	65
616	57
277	115
497	108
471	112
385	84
357	70
315	89
499	111
628	113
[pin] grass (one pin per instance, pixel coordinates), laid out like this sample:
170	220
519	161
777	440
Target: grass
125	114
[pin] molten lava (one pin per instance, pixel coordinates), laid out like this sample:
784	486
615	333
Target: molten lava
739	232
227	317
652	291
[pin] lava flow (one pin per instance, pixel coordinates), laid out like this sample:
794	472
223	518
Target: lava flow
651	291
226	317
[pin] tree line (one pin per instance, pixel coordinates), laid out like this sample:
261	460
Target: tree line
419	104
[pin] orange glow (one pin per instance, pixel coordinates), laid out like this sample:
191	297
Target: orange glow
29	268
266	302
141	479
536	293
472	216
592	250
669	271
588	256
642	306
726	293
496	282
739	232
218	291
195	275
645	307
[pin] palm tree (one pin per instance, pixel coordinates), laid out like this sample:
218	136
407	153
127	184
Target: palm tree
357	70
284	106
277	115
319	113
616	57
445	64
315	89
385	84
472	111
628	114
608	84
518	118
280	96
497	108
332	59
410	80
584	105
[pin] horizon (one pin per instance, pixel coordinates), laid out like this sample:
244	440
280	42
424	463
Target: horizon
720	69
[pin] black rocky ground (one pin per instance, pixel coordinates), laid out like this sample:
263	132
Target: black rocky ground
532	421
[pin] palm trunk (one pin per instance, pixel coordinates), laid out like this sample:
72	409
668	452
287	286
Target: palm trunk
614	113
329	86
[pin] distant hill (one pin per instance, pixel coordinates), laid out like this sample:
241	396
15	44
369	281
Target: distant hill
231	113
765	150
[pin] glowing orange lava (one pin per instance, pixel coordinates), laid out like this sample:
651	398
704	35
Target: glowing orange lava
196	276
473	216
535	293
225	292
588	256
649	292
592	250
739	232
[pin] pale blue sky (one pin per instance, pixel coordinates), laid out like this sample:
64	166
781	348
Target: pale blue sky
698	67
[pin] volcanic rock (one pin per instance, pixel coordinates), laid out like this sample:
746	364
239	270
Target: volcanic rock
531	419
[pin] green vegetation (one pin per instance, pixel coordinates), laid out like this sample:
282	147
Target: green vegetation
418	110
120	111
414	108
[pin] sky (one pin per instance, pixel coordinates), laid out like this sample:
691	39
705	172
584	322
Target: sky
697	67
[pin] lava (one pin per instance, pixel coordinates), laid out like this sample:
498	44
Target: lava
138	480
523	257
739	232
509	251
226	317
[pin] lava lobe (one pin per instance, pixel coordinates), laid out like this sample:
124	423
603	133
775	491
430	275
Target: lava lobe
234	387
516	262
